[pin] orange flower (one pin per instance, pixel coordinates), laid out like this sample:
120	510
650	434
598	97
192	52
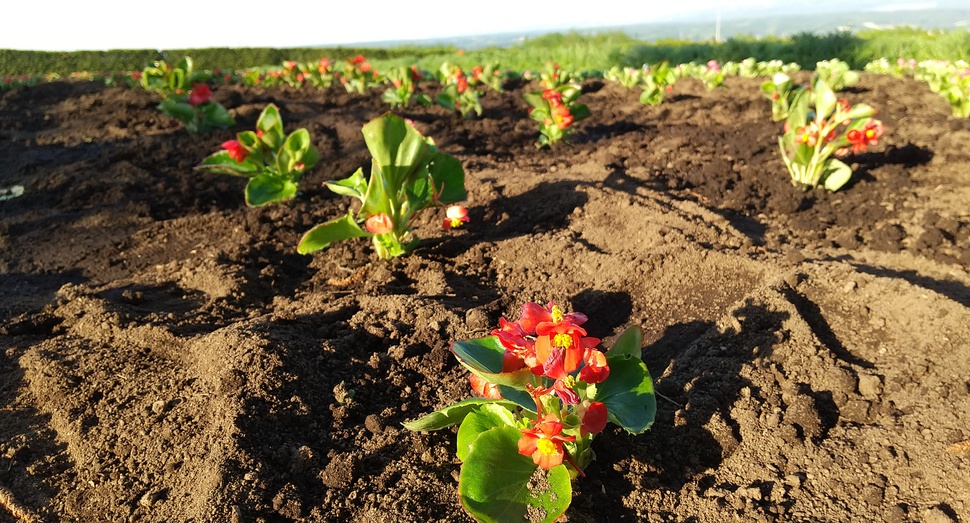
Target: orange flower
379	224
543	442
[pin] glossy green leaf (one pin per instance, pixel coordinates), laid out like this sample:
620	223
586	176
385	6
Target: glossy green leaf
628	394
479	420
324	234
264	189
222	163
396	146
837	174
481	354
453	414
628	345
216	116
355	185
498	485
449	178
271	124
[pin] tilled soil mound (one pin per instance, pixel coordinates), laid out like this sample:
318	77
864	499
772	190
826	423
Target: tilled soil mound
168	356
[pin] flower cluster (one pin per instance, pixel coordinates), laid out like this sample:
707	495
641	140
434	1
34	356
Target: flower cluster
545	391
554	347
359	75
556	111
817	127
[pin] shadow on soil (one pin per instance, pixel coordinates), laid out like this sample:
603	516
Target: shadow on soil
699	386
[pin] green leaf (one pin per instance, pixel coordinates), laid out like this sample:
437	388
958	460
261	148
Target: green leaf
825	99
449	178
222	163
355	185
628	344
271	124
628	394
481	354
265	189
580	112
396	147
484	357
497	484
294	148
217	116
836	174
860	111
178	108
324	234
453	414
479	420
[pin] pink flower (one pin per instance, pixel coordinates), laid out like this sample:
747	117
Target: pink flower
379	224
199	94
455	216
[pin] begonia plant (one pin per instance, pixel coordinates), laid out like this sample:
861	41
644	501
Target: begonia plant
359	75
273	161
188	98
402	80
657	82
457	93
408	174
556	110
544	390
819	127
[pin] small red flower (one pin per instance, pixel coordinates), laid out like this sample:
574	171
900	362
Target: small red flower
543	442
869	135
596	370
236	150
359	59
455	216
199	94
379	224
594	419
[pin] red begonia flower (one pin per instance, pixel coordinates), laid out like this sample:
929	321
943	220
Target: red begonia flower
484	388
594	419
455	216
236	150
543	442
200	94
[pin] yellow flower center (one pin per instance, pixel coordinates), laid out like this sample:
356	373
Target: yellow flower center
545	447
456	222
556	314
562	340
569	381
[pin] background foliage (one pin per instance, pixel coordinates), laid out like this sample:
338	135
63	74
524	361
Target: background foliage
571	50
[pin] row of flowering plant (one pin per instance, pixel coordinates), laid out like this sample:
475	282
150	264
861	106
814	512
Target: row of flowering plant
489	75
556	110
657	82
188	98
408	175
628	77
819	127
710	74
836	73
273	161
545	390
401	91
359	75
457	93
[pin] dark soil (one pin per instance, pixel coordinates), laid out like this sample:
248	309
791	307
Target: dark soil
168	356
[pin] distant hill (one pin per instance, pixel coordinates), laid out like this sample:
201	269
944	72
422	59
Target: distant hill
745	22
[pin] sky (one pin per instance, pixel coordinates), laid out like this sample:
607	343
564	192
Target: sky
61	25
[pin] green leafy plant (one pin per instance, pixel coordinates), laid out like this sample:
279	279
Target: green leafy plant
628	77
273	161
408	175
818	127
402	81
188	98
359	75
836	74
657	82
545	391
457	93
780	91
488	75
556	110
